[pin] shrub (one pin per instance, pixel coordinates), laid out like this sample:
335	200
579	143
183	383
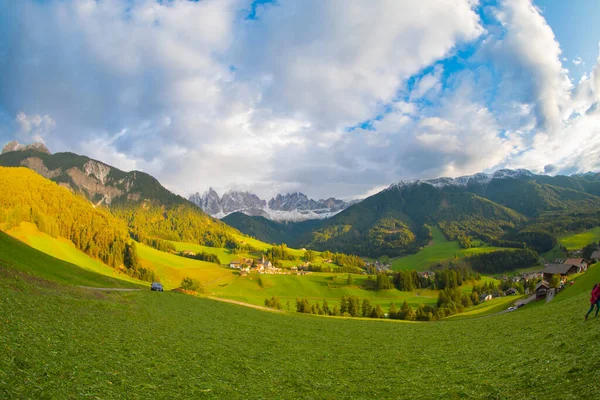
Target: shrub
191	284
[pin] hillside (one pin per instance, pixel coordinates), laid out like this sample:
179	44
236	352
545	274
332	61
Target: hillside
30	198
149	209
506	208
18	256
59	342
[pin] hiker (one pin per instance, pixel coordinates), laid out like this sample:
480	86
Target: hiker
595	300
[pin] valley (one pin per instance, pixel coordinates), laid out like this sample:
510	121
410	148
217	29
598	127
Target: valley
425	261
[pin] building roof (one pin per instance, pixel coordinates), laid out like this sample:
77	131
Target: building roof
542	283
574	261
596	254
557	269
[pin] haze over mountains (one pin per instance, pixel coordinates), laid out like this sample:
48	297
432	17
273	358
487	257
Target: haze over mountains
289	207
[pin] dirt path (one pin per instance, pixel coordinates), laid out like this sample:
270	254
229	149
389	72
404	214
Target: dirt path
241	303
105	289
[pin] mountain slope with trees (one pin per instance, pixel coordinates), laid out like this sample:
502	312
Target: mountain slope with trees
149	209
507	208
28	197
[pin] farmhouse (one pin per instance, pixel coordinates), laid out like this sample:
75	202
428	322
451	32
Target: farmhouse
236	264
578	262
511	292
485	297
541	289
563	269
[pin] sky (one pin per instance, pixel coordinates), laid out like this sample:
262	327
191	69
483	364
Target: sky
336	98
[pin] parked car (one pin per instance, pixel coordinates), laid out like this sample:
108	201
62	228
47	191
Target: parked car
511	309
520	305
156	287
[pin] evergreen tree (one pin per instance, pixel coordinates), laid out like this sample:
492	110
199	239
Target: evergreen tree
377	312
366	308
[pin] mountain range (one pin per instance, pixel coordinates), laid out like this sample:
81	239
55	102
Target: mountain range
508	208
289	207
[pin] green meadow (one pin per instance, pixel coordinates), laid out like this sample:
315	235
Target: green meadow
576	241
222	282
439	250
14	254
254	289
59	341
227	255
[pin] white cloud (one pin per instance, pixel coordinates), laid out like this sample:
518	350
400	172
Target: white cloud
578	61
334	62
34	127
197	96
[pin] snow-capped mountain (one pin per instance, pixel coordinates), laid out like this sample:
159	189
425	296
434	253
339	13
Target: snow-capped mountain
288	207
468	180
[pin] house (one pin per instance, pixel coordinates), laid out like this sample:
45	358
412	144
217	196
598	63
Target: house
563	270
596	256
244	269
578	262
485	297
511	292
235	264
541	289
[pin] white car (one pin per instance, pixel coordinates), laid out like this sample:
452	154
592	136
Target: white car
511	309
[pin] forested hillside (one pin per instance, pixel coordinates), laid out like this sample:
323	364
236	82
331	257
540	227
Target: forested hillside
28	197
149	209
509	209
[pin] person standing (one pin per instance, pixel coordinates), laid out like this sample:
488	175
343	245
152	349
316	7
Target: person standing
594	300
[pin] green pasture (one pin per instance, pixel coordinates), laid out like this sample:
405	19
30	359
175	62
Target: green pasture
254	289
63	342
65	250
576	241
16	255
171	268
440	249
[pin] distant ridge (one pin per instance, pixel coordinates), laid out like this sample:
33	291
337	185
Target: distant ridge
289	207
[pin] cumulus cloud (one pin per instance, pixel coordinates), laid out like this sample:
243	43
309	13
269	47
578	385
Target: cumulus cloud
34	127
333	98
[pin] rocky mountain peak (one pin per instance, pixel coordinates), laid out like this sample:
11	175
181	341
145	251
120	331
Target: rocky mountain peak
289	207
16	146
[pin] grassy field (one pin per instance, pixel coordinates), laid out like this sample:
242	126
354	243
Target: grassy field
220	281
226	255
489	307
172	268
441	249
63	250
579	240
315	286
64	342
15	254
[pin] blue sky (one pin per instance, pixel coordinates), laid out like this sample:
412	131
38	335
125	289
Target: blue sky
337	98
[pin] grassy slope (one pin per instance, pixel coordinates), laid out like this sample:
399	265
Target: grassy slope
63	249
15	254
316	286
172	268
60	342
222	282
441	249
579	240
226	255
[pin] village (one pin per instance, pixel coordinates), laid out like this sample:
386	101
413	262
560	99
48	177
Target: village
548	281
